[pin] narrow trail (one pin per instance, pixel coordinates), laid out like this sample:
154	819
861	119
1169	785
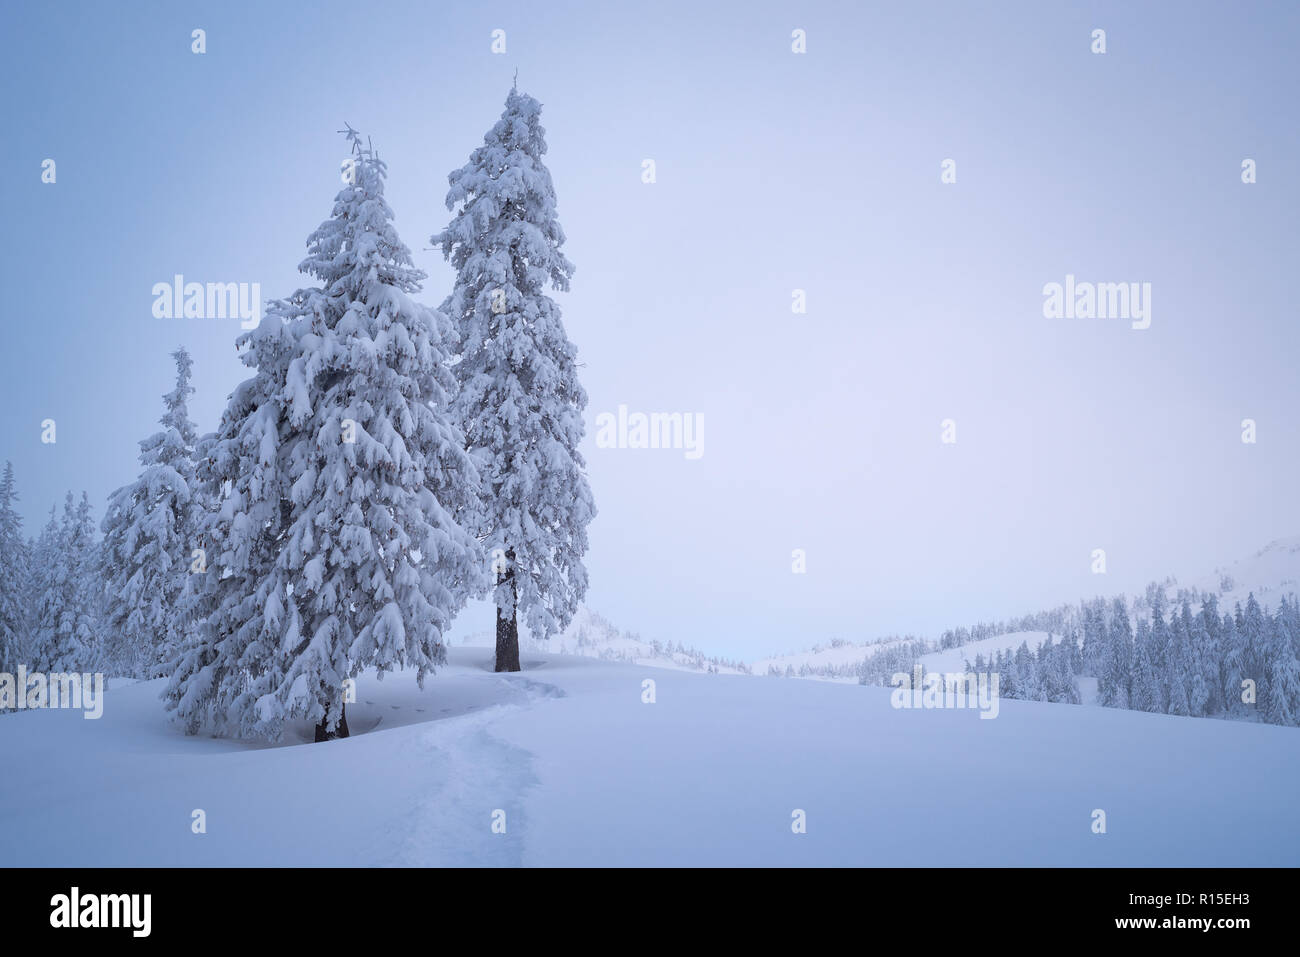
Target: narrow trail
477	778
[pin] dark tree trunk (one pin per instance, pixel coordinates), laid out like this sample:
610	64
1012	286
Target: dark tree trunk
340	732
508	628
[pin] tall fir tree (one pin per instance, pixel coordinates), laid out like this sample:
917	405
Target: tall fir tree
67	596
150	533
336	546
520	403
14	569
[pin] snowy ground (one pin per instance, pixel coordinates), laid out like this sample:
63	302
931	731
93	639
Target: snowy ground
709	774
955	659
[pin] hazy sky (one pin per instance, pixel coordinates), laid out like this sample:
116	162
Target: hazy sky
775	171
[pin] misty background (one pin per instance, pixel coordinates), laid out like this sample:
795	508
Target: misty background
775	172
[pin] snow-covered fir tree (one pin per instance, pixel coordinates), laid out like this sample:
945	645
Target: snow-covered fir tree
1292	620
1232	667
1094	640
1282	704
1145	686
1159	649
1076	651
1211	626
1195	650
336	545
1026	675
13	576
65	635
1116	657
1065	690
150	532
42	553
520	403
1252	623
1176	656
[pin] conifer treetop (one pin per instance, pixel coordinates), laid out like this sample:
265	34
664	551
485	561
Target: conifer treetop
358	244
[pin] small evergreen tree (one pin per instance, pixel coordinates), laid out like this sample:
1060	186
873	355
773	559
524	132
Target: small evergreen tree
150	531
67	599
1146	694
1067	691
14	561
1094	643
1023	664
1253	646
1116	659
1211	626
1282	705
1159	648
1232	666
1195	649
1175	669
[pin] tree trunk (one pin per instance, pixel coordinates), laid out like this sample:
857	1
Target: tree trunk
340	732
508	628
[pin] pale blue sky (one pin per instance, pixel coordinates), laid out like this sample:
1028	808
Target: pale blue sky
775	171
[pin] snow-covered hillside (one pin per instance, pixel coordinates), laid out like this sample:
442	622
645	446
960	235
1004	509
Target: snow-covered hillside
955	659
836	661
711	773
1270	573
591	636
